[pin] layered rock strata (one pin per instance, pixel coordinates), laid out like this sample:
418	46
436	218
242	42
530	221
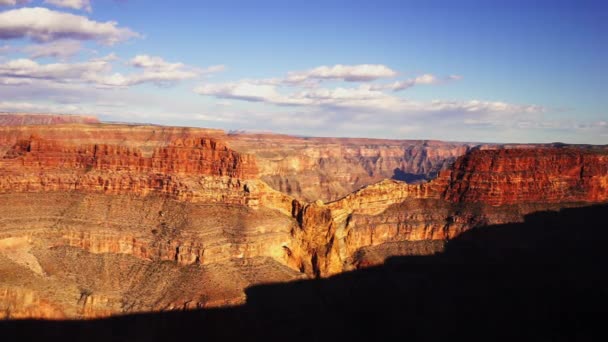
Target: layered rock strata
483	187
102	219
309	169
142	204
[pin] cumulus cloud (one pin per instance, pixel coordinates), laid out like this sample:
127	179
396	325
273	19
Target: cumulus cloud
363	97
60	49
243	90
369	101
12	81
24	68
13	2
348	73
156	67
29	107
247	90
426	79
145	61
99	72
155	70
43	25
73	4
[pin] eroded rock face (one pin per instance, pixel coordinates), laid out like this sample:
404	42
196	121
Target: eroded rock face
511	176
97	220
484	187
191	156
309	169
195	169
142	205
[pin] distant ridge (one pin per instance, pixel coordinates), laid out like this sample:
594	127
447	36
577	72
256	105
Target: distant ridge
20	119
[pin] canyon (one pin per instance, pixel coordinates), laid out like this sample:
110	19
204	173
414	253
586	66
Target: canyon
100	219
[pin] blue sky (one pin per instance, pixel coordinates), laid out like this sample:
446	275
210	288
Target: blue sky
495	71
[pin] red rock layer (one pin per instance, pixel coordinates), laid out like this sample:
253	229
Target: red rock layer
144	138
194	156
483	187
511	176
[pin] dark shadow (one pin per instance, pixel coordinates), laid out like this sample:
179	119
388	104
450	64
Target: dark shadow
403	176
540	280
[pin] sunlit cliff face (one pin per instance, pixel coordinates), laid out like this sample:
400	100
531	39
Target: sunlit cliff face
102	219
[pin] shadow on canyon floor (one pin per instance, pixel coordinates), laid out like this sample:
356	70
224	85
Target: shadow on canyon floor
403	176
543	279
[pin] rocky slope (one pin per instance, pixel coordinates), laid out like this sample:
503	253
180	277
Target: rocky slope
99	219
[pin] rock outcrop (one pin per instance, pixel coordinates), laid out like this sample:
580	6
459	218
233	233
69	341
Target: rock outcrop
511	176
178	170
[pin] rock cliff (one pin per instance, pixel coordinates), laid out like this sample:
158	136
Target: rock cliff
511	176
197	169
309	169
485	186
100	219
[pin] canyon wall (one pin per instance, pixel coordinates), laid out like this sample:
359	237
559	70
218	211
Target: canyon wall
90	214
309	169
483	187
511	176
100	219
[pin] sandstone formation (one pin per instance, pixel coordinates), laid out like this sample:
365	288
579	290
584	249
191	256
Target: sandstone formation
103	219
511	176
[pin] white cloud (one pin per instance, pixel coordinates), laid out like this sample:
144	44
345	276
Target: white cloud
348	73
426	79
61	72
475	106
99	72
13	2
155	70
60	49
73	4
367	105
154	63
242	90
44	25
364	97
28	107
12	81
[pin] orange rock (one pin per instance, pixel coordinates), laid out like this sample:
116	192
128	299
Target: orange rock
511	176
